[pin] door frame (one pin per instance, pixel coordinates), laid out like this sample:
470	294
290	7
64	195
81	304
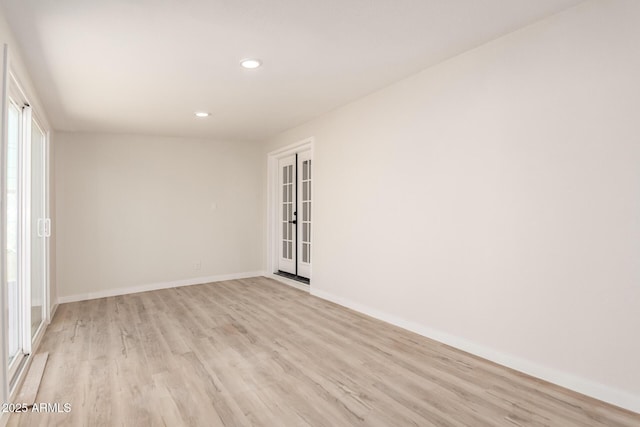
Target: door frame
273	208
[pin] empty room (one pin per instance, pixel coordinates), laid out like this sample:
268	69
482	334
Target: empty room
320	213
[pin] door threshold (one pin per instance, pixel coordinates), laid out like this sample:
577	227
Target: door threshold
295	277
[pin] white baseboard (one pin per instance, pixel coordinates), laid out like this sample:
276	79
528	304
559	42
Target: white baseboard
156	286
289	282
589	388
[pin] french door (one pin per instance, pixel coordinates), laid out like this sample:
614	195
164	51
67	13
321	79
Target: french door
294	181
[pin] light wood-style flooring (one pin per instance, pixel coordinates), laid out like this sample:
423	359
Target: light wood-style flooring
256	352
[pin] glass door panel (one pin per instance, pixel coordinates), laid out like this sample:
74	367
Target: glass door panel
39	227
13	232
304	220
287	182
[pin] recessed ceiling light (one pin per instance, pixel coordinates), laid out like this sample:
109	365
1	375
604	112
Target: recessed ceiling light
251	63
202	114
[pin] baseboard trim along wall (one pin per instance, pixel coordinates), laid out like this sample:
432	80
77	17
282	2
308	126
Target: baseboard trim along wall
156	286
583	386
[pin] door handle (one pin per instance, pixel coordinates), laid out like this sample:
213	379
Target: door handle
47	227
295	221
40	227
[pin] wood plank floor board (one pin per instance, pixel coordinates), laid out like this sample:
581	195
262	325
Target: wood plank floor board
529	387
347	343
253	352
319	355
31	384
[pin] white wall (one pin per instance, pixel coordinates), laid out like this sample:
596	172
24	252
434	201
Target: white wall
140	210
493	201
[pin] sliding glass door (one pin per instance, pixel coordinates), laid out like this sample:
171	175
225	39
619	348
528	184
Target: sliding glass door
26	227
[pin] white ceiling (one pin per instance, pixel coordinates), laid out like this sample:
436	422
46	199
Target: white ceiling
144	66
